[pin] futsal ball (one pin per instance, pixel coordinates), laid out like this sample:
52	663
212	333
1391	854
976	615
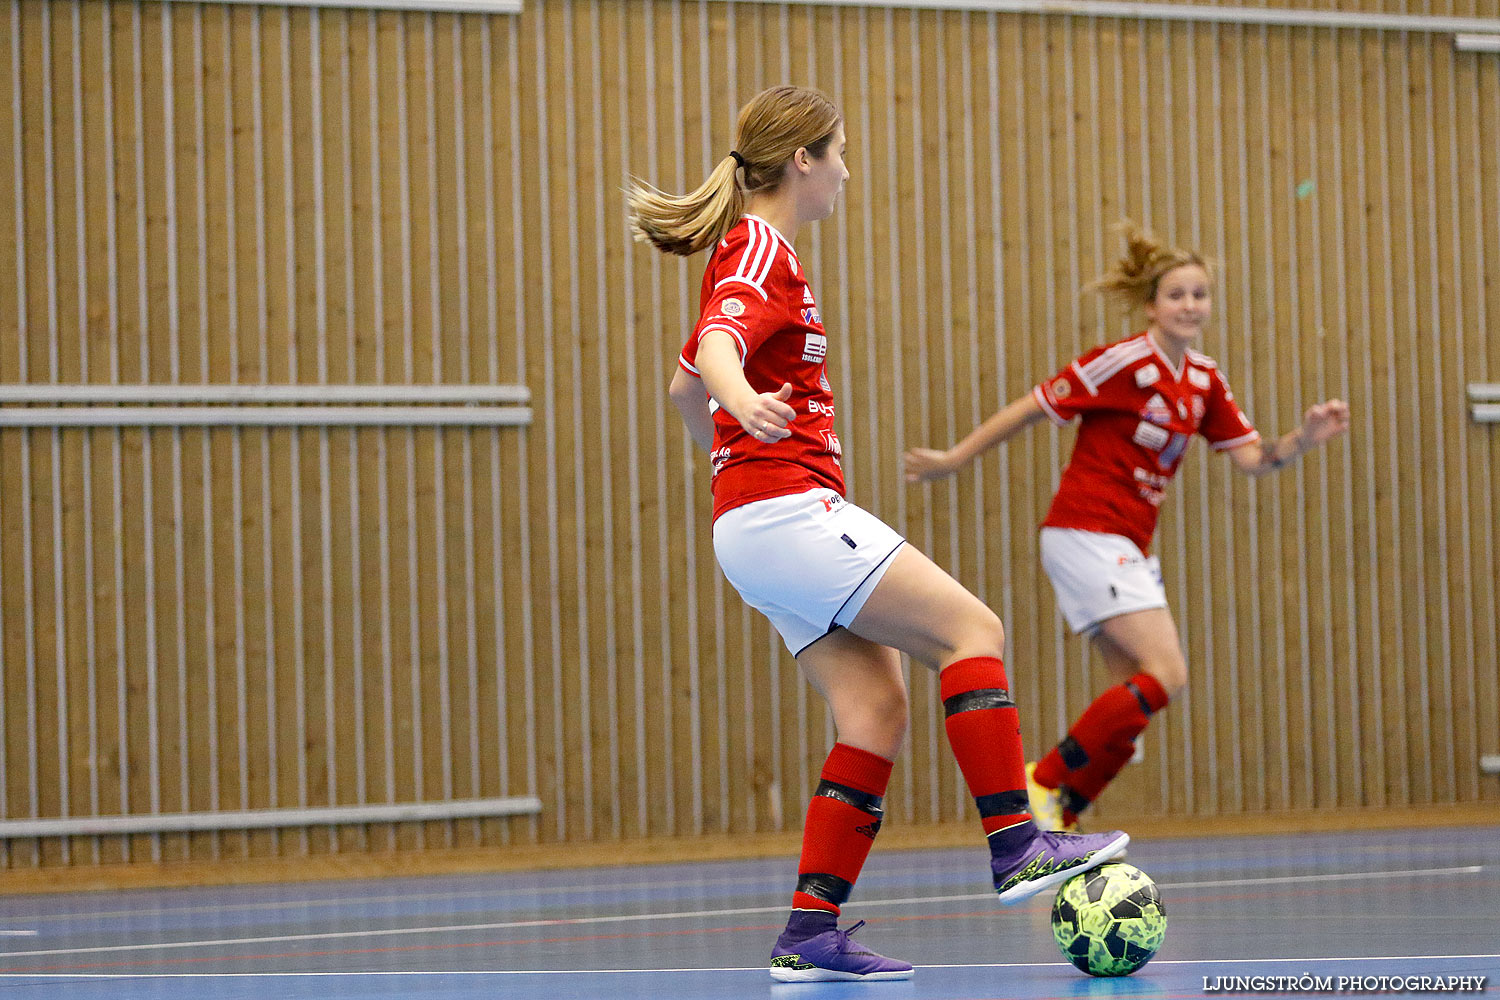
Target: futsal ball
1109	921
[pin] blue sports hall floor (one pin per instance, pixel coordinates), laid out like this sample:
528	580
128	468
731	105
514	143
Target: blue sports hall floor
1345	906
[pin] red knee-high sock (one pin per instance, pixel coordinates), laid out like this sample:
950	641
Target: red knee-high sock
842	820
1100	742
984	730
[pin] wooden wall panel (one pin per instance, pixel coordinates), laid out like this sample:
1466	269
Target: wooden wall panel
236	618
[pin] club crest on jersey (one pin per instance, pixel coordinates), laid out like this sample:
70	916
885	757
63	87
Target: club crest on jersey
732	307
1156	410
815	347
1198	377
1146	375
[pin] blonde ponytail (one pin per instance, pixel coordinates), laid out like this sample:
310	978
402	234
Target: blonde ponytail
686	224
771	128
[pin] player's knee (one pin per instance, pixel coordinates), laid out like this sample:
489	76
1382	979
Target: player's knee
1170	671
879	720
982	634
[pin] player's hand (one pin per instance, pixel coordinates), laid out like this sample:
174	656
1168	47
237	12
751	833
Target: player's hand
767	415
923	464
1325	421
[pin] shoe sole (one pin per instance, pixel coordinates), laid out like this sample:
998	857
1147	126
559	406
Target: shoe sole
1026	890
830	976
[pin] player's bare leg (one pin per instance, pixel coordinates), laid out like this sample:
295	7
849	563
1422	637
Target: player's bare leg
863	685
918	608
1143	655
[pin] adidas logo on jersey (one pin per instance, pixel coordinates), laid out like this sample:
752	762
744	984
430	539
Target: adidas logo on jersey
1156	410
807	296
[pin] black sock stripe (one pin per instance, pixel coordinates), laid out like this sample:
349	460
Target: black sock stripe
1003	803
970	701
863	801
1071	800
829	888
1139	697
1073	756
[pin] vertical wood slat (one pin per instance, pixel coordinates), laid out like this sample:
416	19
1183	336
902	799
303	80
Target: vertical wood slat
353	616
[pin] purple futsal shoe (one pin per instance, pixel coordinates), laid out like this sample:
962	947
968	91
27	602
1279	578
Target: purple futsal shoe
1050	859
828	956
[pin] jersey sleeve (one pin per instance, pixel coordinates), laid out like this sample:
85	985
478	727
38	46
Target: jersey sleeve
743	301
1070	393
1224	424
687	358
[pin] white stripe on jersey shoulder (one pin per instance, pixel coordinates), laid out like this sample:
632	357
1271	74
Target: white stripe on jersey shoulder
1113	360
1200	359
735	279
772	230
1083	377
763	241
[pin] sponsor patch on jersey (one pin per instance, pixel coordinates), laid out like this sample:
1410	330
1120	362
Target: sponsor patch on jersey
1146	374
1156	410
1061	388
1199	407
810	316
732	307
1198	377
823	382
1150	436
815	347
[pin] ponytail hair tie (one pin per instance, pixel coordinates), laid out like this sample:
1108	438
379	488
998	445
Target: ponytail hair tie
737	157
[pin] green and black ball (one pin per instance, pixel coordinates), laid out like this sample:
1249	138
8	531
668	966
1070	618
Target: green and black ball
1109	921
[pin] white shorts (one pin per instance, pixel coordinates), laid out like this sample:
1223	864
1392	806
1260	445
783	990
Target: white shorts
807	561
1098	576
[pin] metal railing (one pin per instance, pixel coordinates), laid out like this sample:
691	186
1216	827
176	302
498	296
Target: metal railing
261	819
85	405
1484	402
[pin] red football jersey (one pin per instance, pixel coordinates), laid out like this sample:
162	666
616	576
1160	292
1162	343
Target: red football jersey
754	291
1139	413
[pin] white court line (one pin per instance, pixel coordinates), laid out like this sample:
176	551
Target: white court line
19	932
495	892
680	915
758	968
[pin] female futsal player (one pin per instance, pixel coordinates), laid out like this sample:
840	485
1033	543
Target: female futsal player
843	589
1140	402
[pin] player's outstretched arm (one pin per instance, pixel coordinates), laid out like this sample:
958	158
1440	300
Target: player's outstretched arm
1322	423
928	463
691	400
764	415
